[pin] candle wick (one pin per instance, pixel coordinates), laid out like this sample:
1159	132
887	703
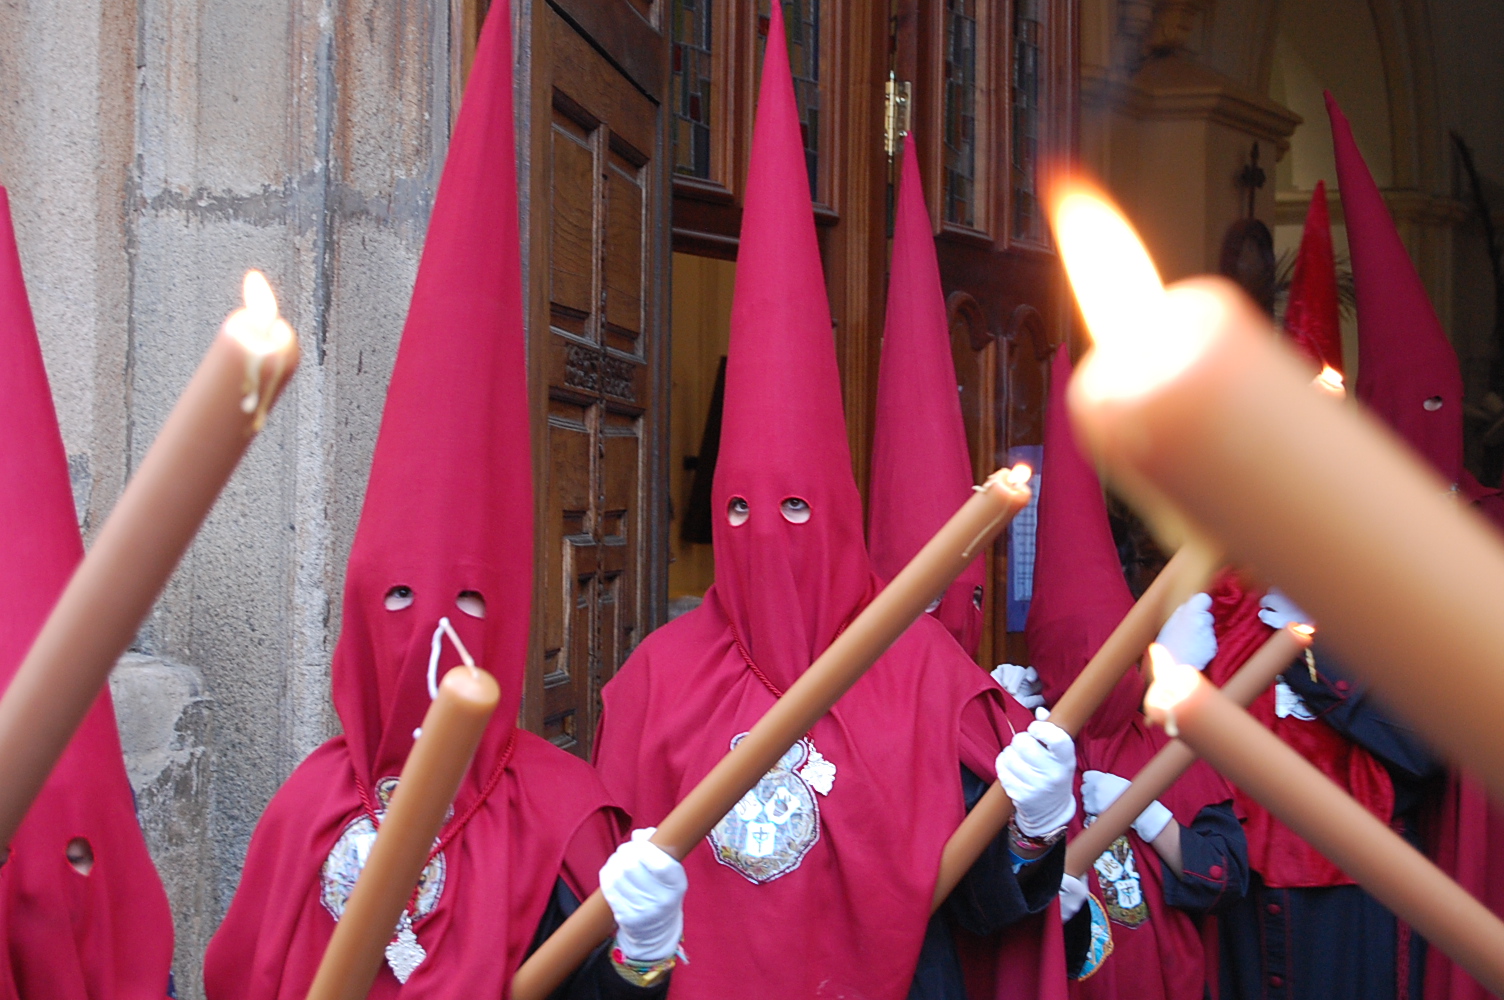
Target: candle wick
454	637
445	628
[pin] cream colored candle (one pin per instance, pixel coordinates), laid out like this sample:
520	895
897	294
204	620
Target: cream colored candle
1308	802
452	729
869	635
1175	758
1210	427
113	589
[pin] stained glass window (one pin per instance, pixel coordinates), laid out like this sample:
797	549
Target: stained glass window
691	87
1028	39
802	20
960	133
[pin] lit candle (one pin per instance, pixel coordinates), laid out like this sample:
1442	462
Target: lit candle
452	729
892	611
110	593
1185	573
1308	802
1329	382
1174	758
1210	427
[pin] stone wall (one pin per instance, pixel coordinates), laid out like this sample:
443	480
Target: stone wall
154	151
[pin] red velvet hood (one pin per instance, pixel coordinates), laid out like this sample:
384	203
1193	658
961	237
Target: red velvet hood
449	509
921	467
1405	362
1312	317
106	935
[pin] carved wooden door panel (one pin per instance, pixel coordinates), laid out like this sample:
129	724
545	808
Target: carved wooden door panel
597	242
992	101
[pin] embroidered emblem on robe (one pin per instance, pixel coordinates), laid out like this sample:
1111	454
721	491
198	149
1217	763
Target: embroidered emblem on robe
345	862
1122	892
768	833
1099	945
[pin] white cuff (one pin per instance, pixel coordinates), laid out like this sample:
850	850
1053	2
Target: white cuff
1152	822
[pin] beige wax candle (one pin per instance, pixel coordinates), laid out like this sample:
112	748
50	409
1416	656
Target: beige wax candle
1308	802
1185	573
1174	758
452	729
110	593
1208	424
869	635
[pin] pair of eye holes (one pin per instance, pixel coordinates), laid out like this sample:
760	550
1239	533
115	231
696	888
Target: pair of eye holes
470	602
795	510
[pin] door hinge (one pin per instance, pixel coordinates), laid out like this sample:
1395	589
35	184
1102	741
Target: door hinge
896	121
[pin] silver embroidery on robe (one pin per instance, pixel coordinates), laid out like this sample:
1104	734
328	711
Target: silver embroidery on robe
1122	891
768	833
343	866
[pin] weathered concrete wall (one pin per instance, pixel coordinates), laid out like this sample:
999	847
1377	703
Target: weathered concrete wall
154	151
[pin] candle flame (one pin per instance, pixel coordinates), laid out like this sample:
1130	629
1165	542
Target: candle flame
1300	628
257	326
1020	474
1330	382
1142	335
1173	683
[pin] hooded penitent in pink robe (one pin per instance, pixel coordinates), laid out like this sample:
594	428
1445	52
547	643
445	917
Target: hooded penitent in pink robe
1080	596
448	510
1282	859
1408	374
107	934
921	472
818	883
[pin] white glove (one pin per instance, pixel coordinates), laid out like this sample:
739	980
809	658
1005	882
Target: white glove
1022	683
1073	894
645	888
1099	789
1036	771
1276	610
1190	633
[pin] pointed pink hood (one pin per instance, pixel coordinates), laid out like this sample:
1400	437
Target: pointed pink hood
921	466
108	934
1407	369
787	588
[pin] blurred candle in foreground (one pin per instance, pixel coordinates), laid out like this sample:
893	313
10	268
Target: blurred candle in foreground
108	596
1308	802
1209	427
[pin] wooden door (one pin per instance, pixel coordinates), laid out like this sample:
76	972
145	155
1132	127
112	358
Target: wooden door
596	246
992	104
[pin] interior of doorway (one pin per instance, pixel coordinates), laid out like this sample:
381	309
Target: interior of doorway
700	331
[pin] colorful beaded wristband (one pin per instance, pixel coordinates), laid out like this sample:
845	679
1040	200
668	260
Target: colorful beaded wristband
1024	842
641	973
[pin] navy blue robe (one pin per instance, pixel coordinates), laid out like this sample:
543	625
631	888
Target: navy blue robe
989	898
